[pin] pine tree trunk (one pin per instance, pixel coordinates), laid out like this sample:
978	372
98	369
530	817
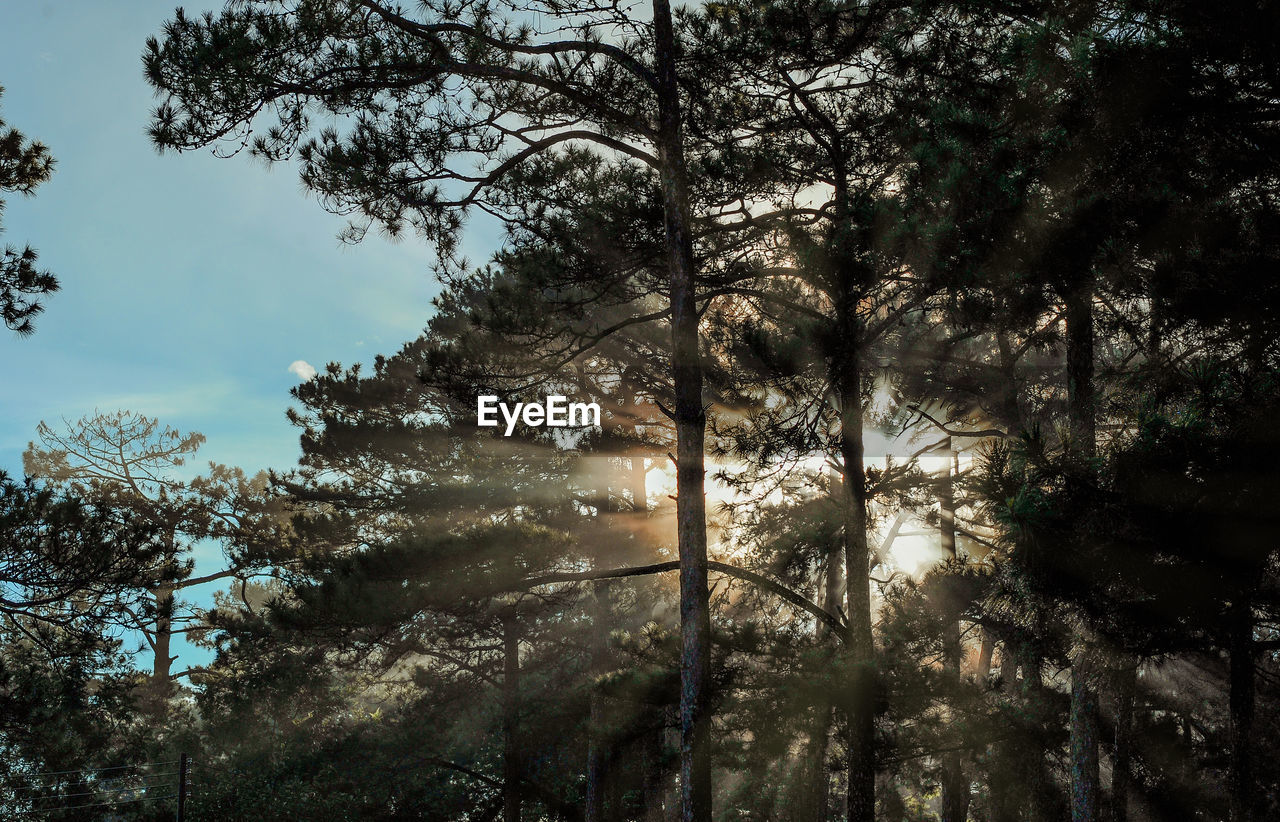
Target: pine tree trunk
1004	801
1241	699
816	784
637	482
1004	805
1035	769
985	651
655	782
1084	744
813	785
955	785
162	662
1081	410
598	754
860	698
1003	763
1009	398
1081	403
690	424
1122	765
511	769
653	751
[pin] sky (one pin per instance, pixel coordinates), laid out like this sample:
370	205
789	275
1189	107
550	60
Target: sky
190	284
196	290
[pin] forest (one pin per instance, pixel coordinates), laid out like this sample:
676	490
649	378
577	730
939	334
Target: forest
935	350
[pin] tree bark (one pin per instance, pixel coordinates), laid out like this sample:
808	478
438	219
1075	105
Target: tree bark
1241	699
512	772
813	785
1081	410
1122	764
1003	768
1006	794
655	782
1084	744
1081	395
985	652
639	491
637	477
690	424
1041	804
654	745
598	754
955	785
1008	401
162	662
860	697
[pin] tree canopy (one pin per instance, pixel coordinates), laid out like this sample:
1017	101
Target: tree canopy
935	479
24	165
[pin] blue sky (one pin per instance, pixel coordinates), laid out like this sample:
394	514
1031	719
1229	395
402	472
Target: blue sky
189	283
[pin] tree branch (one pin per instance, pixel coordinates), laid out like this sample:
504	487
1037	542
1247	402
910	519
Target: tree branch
985	432
772	586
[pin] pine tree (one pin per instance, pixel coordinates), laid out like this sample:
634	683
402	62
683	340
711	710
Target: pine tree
24	165
127	461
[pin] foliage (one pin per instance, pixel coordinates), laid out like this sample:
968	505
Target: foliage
24	165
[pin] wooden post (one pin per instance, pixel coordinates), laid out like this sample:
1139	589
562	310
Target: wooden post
182	787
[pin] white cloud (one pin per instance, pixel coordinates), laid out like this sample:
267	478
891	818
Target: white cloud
302	369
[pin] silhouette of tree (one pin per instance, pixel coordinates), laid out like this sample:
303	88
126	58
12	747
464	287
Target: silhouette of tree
127	461
24	165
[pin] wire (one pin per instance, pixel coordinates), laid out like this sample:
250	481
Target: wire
100	770
107	782
120	789
97	804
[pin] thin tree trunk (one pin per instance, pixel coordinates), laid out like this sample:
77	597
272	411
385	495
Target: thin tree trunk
860	699
1041	804
1004	805
1008	793
955	785
162	662
1084	744
1241	698
1004	764
653	751
813	785
1121	777
1155	323
947	503
986	650
690	424
1081	402
511	768
1081	410
816	782
637	477
598	755
1009	399
655	787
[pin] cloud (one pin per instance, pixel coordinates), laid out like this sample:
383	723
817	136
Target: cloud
302	369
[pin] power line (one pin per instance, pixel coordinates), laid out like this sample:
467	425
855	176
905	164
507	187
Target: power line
120	789
101	770
113	783
107	790
106	779
98	804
